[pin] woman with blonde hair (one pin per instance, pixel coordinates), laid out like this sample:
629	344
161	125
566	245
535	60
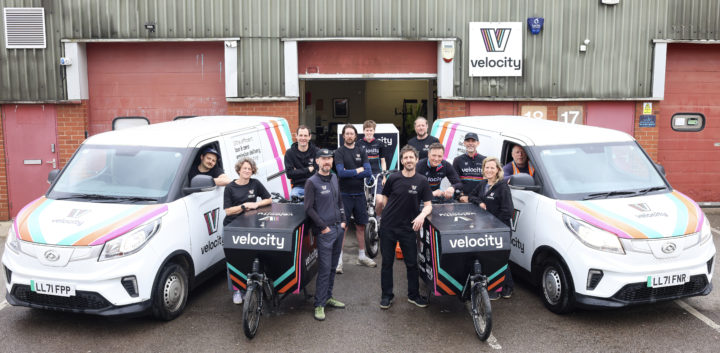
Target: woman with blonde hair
493	195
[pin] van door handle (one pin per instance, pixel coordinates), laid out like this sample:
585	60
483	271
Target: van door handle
54	163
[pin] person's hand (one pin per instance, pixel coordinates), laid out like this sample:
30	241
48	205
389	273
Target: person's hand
325	231
251	205
383	181
464	199
483	206
438	193
310	169
418	222
342	225
360	170
449	192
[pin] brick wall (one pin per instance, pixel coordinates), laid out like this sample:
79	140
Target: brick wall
4	200
285	109
648	137
451	108
72	122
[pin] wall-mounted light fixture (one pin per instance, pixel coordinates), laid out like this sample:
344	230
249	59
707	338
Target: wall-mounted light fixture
150	26
583	47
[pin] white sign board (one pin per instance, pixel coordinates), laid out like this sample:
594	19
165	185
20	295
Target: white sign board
496	48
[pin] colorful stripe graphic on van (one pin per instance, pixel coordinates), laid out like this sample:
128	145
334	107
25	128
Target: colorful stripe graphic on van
277	143
446	134
28	224
657	216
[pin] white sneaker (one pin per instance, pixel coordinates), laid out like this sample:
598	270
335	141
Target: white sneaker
237	297
339	269
366	261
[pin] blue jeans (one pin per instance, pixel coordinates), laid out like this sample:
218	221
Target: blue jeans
329	246
297	191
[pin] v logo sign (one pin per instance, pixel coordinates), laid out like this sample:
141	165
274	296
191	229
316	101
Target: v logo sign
495	39
212	219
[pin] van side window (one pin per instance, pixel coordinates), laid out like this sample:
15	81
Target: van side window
205	163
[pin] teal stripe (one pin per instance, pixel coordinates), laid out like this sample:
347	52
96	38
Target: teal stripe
292	269
237	272
442	272
435	131
498	272
34	223
682	217
286	128
649	232
393	164
71	239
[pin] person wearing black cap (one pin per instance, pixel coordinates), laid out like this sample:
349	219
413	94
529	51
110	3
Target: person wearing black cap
208	166
325	208
469	165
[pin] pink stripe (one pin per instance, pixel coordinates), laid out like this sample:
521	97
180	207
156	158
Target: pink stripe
124	229
698	210
281	167
432	248
302	232
448	142
592	220
17	230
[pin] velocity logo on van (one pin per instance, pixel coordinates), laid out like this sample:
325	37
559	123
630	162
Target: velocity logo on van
212	219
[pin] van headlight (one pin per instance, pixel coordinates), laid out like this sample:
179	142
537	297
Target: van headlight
12	242
130	242
594	237
705	232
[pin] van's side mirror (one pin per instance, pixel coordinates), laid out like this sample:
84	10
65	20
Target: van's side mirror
523	181
53	175
200	183
660	168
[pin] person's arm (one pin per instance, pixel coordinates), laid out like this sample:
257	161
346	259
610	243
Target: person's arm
505	212
475	194
292	171
260	191
340	204
222	180
420	219
366	172
454	178
379	204
345	173
310	206
230	209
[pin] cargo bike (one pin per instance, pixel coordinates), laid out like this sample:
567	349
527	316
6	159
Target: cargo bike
463	251
270	254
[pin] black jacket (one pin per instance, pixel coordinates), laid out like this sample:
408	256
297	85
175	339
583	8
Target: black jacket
498	199
297	164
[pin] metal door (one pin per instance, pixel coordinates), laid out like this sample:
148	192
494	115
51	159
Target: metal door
30	149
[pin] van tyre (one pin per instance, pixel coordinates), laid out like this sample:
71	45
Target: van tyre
372	240
170	293
556	286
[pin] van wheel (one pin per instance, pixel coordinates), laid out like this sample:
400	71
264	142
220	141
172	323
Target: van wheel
170	293
556	287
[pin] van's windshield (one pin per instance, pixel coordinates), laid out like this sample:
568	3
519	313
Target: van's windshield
598	170
130	173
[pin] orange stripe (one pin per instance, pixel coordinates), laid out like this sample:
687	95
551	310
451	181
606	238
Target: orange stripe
496	283
613	222
287	286
279	136
442	132
445	288
23	224
86	240
238	281
693	218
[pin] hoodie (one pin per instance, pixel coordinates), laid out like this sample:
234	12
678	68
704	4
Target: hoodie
297	164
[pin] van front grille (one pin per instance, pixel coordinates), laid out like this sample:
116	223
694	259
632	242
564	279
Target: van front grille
637	293
81	301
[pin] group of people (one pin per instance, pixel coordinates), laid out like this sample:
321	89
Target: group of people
403	200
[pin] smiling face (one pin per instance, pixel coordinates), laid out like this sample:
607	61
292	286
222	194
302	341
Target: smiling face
369	133
421	128
490	170
409	160
303	137
208	161
471	146
325	164
246	171
435	156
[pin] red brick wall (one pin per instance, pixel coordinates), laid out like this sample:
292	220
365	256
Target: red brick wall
648	137
72	122
288	110
4	201
451	108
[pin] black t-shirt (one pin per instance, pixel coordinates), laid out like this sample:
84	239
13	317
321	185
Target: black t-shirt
375	150
423	145
404	198
236	195
214	172
351	159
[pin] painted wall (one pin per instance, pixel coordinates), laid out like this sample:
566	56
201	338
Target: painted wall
384	97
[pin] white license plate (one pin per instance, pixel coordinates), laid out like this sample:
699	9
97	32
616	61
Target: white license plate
666	280
52	288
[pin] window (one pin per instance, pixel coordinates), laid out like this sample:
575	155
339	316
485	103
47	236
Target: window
24	28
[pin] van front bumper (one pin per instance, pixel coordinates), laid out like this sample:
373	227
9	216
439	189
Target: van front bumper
83	302
639	293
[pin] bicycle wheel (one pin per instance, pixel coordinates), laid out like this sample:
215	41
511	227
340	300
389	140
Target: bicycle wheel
372	241
252	308
481	311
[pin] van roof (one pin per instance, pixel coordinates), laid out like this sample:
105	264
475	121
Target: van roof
183	132
540	132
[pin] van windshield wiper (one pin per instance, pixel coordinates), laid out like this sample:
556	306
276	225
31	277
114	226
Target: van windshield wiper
655	188
607	194
106	197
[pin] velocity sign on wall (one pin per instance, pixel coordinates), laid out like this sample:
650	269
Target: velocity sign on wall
496	48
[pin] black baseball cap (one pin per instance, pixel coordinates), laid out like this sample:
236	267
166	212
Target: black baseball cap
471	135
323	152
210	150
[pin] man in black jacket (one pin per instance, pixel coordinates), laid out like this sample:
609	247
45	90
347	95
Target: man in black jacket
422	140
300	161
435	168
324	206
469	165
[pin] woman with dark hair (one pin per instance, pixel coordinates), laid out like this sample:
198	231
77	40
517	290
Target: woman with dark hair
493	195
241	195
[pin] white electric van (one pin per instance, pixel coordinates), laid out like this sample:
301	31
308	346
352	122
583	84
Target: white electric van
597	224
122	230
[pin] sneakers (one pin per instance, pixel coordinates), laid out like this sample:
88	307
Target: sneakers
319	313
335	303
237	297
339	269
366	261
494	295
507	292
386	303
420	301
